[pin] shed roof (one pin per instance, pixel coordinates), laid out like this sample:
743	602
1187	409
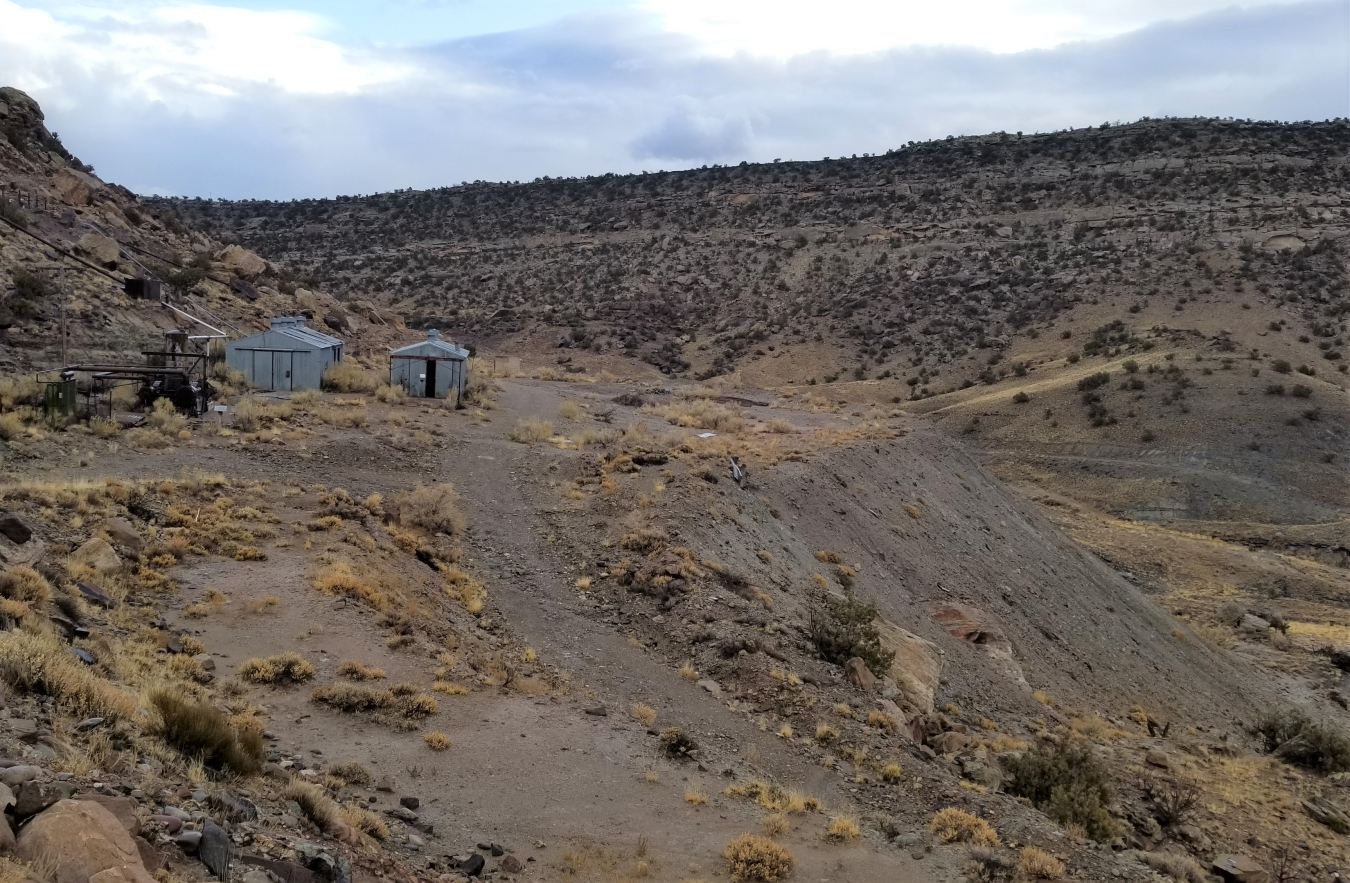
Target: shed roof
435	344
295	328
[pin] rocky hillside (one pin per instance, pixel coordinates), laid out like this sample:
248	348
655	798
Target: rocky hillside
68	239
1145	293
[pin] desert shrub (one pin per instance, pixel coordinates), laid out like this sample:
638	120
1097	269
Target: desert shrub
754	857
392	395
23	583
351	698
1067	783
11	426
317	806
843	828
1176	865
338	579
347	376
479	391
284	668
647	541
350	772
1037	864
42	664
952	825
530	432
1171	800
643	713
165	418
359	671
1298	740
842	628
569	410
201	731
104	427
1094	381
1020	397
1301	391
437	741
19	391
434	508
361	819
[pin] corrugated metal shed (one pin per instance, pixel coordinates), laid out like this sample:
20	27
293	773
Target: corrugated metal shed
430	368
289	355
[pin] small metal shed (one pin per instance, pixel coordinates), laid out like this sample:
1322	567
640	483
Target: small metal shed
289	355
430	368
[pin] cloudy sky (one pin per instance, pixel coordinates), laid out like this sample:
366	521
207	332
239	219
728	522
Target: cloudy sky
291	98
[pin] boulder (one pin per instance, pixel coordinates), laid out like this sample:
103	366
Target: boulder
981	629
917	667
242	262
948	743
85	842
121	807
100	249
15	529
31	798
120	531
74	187
858	674
97	554
214	850
1239	869
1323	810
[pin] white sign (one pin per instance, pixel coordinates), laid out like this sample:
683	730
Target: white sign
221	409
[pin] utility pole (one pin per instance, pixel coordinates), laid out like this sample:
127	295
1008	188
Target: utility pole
65	300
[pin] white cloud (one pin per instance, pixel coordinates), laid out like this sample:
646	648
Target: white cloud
189	56
191	100
779	29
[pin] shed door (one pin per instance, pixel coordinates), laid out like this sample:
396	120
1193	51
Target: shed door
430	390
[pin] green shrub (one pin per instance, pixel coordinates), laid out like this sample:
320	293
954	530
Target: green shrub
842	628
1298	740
1093	381
1067	783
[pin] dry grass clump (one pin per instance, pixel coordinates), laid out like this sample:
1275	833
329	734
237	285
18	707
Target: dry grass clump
826	734
317	806
1178	866
23	583
953	825
437	741
702	414
892	772
348	376
450	689
201	731
688	672
403	699
530	432
825	556
843	828
252	413
391	395
359	671
338	579
258	605
1037	864
756	858
20	390
569	410
361	819
284	668
104	427
643	713
350	772
695	796
881	720
350	698
42	664
773	824
434	508
165	419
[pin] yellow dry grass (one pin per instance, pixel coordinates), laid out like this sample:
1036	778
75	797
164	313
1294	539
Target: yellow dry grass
754	857
1037	864
952	825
